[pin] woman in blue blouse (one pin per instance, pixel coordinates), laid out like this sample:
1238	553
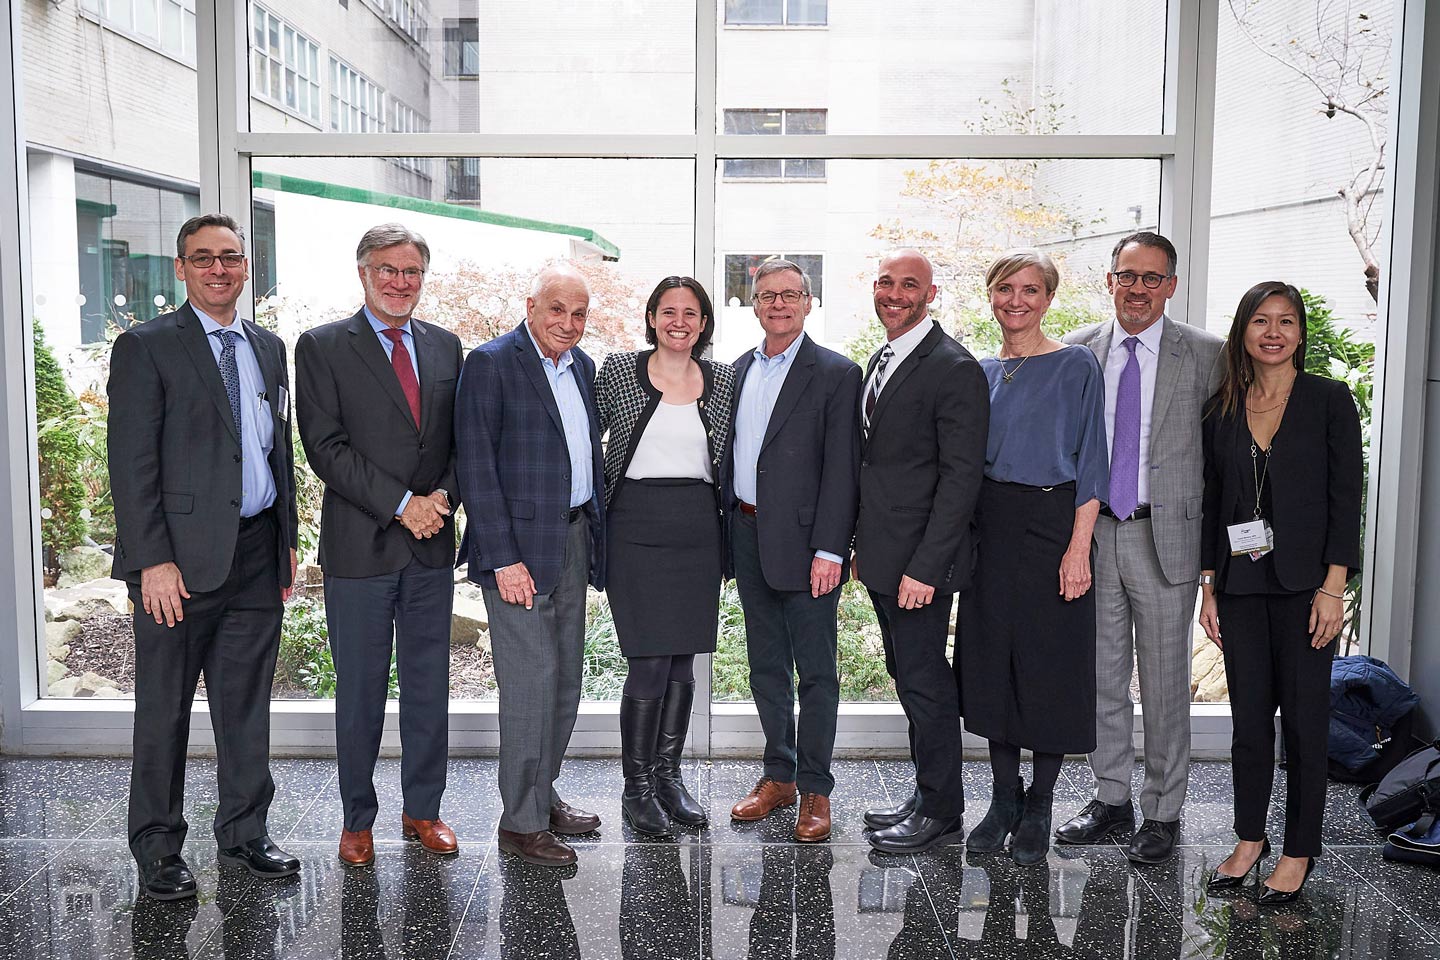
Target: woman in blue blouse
1025	656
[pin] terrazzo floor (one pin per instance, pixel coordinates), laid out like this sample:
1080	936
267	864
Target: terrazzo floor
68	888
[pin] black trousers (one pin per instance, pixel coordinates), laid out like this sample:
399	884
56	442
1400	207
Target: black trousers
232	635
407	611
915	659
1269	663
788	634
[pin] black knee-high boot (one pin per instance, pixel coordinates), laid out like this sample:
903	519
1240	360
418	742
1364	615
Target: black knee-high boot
674	724
639	725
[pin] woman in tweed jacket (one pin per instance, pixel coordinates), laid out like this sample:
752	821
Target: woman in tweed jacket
667	413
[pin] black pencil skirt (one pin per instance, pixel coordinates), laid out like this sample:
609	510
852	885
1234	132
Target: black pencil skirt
1026	656
663	567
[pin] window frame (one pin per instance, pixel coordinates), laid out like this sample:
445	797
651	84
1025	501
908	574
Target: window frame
279	58
784	22
453	25
784	163
341	89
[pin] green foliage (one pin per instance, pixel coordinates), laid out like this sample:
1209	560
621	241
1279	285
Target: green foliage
305	660
62	457
604	671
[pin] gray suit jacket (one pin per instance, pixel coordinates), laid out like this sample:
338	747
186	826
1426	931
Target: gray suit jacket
1187	376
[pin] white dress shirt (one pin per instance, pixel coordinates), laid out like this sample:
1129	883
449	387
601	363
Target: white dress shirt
901	347
673	445
1147	352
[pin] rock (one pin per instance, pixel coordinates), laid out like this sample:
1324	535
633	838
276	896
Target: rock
64	688
60	635
468	617
482	642
108	693
54	670
85	600
308	573
81	564
1208	684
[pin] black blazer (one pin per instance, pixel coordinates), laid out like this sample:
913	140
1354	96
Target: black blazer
1315	476
808	474
363	444
174	455
921	469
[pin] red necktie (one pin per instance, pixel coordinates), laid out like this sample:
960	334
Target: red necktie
404	372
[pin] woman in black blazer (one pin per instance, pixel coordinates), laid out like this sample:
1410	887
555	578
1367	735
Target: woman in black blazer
1281	537
667	415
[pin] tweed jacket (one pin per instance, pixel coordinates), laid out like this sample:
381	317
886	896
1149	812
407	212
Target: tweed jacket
626	400
1187	374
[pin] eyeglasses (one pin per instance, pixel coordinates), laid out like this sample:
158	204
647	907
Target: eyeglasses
791	297
389	273
1127	278
204	261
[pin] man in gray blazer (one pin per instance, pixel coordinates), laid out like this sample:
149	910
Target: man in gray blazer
1158	375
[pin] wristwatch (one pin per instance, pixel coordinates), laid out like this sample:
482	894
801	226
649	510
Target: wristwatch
444	493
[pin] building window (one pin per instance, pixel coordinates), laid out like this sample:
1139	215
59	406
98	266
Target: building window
410	16
462	48
776	13
405	119
462	179
285	66
357	105
167	25
740	272
773	123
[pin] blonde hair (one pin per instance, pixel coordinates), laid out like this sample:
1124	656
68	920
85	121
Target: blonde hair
1012	262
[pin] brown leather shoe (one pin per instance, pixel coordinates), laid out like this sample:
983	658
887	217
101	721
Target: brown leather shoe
767	795
541	848
356	848
568	820
812	824
432	834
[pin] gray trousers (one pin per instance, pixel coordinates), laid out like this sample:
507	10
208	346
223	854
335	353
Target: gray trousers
539	655
1140	616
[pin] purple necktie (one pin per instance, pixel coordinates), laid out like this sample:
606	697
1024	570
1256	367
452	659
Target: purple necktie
1125	445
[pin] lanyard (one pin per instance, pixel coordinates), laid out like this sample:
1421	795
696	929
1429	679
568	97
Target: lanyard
1259	474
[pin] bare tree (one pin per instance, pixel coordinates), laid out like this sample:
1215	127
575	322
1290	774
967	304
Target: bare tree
1346	60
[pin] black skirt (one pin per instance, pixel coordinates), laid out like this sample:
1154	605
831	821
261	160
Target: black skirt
1026	661
663	567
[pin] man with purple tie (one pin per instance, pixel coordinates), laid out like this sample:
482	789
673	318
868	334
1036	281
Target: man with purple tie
1158	375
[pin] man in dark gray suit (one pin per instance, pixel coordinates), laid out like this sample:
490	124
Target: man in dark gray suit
1158	375
793	477
202	475
375	398
925	418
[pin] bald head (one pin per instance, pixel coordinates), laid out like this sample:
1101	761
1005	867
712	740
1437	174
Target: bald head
904	289
556	309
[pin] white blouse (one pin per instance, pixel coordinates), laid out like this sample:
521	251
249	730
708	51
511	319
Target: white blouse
673	445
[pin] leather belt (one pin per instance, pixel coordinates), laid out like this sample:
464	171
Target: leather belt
1142	512
576	513
747	508
248	522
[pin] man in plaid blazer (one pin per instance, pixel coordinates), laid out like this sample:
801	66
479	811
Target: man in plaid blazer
531	476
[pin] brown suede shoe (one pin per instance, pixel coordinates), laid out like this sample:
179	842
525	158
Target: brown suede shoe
767	795
541	848
568	820
432	834
812	824
356	848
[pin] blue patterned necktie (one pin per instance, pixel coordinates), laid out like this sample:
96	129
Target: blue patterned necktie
230	373
1125	443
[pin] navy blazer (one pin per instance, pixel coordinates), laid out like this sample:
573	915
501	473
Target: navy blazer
513	464
808	473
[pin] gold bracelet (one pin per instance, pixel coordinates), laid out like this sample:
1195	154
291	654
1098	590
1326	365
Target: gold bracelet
1334	596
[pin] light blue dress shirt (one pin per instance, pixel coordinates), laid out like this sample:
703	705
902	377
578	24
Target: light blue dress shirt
389	346
257	423
576	419
763	382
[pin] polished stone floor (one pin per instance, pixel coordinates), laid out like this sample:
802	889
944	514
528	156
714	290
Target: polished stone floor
68	888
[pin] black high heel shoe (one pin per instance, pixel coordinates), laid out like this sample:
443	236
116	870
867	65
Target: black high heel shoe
1270	897
1221	882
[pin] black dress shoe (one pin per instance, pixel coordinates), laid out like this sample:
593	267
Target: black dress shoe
1097	823
1221	882
878	818
1154	842
167	878
918	833
261	857
1270	897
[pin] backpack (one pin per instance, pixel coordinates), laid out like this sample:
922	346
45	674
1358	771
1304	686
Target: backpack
1409	793
1415	844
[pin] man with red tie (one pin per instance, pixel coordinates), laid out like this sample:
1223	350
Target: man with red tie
375	395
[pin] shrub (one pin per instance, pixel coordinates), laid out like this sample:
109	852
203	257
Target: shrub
61	455
305	661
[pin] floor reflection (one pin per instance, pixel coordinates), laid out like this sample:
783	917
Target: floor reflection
68	890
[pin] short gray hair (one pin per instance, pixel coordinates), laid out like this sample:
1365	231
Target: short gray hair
555	271
195	224
778	265
391	235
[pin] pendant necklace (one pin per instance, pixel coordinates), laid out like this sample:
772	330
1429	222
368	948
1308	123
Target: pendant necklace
1009	375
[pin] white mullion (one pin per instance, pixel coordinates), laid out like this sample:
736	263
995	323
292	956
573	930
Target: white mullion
222	56
677	146
703	157
976	146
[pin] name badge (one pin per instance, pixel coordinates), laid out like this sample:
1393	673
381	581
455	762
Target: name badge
283	407
1254	538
